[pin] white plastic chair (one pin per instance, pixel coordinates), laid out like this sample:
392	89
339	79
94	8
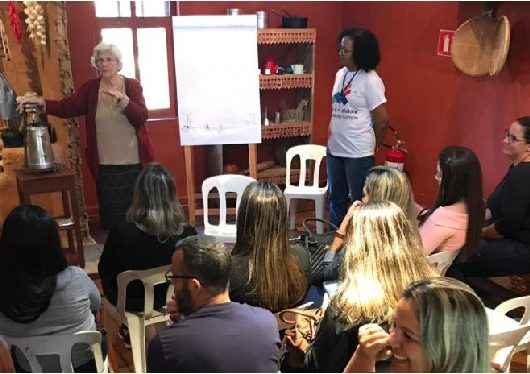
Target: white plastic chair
301	191
502	346
223	183
137	322
58	345
442	260
515	303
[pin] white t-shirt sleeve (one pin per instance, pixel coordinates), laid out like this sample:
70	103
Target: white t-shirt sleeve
374	91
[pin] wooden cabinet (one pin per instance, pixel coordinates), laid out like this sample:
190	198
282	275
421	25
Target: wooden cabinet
279	93
282	94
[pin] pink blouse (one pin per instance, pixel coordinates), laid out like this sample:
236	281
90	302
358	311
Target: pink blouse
445	229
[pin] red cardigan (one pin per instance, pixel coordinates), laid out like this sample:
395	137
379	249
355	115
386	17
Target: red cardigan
85	101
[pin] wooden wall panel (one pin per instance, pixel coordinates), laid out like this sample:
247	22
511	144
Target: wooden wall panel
45	70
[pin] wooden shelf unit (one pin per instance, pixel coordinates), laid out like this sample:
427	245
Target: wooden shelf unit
283	83
276	37
286	36
286	130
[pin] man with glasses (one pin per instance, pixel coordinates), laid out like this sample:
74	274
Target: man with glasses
209	333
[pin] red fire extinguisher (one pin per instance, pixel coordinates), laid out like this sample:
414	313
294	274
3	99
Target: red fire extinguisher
397	155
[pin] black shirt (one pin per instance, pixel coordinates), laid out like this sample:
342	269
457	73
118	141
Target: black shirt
241	290
333	345
129	248
510	204
227	337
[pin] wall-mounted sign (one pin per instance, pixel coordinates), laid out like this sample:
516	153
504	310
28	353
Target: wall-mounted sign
445	38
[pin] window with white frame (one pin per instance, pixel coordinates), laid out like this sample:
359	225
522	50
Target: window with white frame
142	31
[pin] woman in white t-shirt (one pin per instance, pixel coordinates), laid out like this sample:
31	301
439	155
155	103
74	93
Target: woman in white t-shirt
358	120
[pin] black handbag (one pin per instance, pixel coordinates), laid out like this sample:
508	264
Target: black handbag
316	244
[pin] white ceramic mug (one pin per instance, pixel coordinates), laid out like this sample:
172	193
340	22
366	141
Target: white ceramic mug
298	69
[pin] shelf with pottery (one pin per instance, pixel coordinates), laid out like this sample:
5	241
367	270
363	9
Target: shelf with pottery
286	36
293	123
286	130
285	81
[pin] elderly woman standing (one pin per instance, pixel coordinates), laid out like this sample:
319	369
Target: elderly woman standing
117	139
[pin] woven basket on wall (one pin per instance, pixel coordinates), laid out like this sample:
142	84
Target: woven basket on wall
480	45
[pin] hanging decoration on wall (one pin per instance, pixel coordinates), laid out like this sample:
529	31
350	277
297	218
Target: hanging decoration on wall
4	45
35	22
14	20
480	45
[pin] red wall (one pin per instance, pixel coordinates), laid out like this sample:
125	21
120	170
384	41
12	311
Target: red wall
429	101
325	16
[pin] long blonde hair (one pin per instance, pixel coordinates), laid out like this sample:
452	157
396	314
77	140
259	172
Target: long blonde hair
385	183
383	256
155	208
454	325
274	274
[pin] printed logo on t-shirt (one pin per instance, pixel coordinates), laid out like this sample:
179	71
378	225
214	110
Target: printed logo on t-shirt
340	97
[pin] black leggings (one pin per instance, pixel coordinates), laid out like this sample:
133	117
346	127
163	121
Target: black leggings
495	258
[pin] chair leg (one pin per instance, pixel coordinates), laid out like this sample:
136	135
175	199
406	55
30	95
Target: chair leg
527	350
71	243
136	327
319	213
291	211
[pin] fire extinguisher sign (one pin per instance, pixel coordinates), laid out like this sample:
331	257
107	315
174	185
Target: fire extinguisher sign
445	38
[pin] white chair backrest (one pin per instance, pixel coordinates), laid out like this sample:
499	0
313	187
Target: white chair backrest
305	152
223	183
442	260
503	345
58	345
517	302
150	278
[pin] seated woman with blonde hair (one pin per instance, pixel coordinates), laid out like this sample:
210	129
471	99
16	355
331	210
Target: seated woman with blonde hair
383	183
383	255
439	326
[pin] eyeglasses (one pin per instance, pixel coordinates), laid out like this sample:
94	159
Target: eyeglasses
344	51
170	277
512	138
101	60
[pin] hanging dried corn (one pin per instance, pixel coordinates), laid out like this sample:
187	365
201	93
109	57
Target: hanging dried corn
4	45
35	22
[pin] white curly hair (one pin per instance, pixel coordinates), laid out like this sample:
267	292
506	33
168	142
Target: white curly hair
106	47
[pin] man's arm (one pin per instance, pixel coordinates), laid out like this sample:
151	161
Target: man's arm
155	356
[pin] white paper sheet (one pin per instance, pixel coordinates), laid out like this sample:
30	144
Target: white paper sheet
216	66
